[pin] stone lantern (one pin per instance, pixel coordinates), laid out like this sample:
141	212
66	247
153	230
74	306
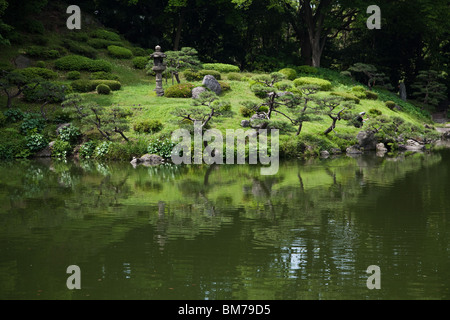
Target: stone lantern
159	67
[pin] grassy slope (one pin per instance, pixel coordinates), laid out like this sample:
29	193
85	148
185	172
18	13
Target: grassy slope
137	95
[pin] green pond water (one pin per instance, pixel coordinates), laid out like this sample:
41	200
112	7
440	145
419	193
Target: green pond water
226	232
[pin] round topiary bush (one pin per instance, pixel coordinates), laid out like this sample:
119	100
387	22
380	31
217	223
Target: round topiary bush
73	75
390	104
290	73
140	62
183	90
225	86
119	52
103	89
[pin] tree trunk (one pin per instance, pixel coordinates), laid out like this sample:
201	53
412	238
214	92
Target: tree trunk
121	133
176	44
299	128
43	110
333	125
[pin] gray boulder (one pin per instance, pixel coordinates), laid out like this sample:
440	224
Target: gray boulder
211	83
353	150
46	152
367	140
22	62
256	121
324	154
197	91
412	145
148	160
245	123
381	147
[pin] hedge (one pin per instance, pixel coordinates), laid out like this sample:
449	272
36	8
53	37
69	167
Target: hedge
221	67
102	75
119	52
101	43
78	63
105	34
36	72
42	53
324	85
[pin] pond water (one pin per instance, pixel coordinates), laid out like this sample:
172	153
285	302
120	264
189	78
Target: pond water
226	232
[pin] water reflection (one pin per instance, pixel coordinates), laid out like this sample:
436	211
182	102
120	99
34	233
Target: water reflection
226	232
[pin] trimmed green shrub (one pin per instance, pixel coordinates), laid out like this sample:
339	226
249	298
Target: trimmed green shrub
375	112
119	52
183	90
42	53
390	104
78	48
371	95
324	85
112	84
73	75
225	86
290	73
215	74
359	89
263	109
83	85
99	65
234	76
102	43
78	63
78	35
246	112
102	75
138	52
346	96
191	75
140	62
307	70
105	34
221	67
103	89
148	126
40	64
35	72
